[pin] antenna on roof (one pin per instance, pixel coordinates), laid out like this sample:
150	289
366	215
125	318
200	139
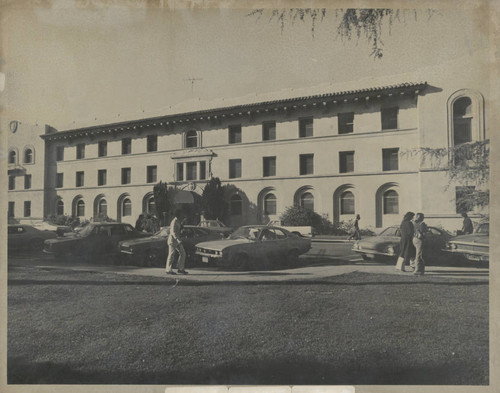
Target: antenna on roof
193	80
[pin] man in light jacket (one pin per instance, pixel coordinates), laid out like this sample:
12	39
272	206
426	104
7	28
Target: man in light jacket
175	244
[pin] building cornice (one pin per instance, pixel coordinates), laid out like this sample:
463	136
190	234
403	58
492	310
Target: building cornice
216	115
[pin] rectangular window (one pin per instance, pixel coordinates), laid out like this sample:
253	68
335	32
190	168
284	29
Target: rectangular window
269	166
305	127
464	198
180	171
79	179
269	131
152	143
59	180
389	118
151	174
234	168
80	151
390	161
27	182
191	170
12	182
27	208
346	122
306	164
235	134
60	153
102	175
102	149
126	146
346	161
12	206
203	170
126	175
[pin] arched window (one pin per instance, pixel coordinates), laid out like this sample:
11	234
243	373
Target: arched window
102	208
151	206
80	208
236	205
191	139
28	156
12	157
307	201
391	202
270	205
462	121
126	207
347	203
60	207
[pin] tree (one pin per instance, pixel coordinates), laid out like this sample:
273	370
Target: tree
163	204
368	22
467	166
213	200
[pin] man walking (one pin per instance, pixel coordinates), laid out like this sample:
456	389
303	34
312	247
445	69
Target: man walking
175	244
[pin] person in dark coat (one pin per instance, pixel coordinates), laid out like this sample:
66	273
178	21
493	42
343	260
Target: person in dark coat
139	224
407	250
467	227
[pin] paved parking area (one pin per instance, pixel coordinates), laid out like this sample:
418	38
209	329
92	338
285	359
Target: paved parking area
313	268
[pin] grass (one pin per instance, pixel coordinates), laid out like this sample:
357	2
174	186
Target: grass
101	328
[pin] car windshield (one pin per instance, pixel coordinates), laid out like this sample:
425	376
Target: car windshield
483	228
86	231
391	231
246	233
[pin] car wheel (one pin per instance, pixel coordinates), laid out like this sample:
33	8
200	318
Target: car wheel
152	257
292	258
239	262
36	244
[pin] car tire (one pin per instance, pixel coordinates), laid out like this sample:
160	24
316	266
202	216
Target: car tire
292	258
152	257
36	245
239	262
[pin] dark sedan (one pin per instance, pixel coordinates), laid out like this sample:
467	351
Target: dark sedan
152	251
27	237
474	247
386	244
94	240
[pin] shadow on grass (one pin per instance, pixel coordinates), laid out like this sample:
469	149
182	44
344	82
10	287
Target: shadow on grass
370	370
299	282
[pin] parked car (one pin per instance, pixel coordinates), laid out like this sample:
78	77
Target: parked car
474	246
153	250
95	239
254	245
386	244
27	237
216	225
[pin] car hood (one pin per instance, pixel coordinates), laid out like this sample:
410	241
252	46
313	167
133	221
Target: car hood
64	239
379	241
143	240
221	244
481	238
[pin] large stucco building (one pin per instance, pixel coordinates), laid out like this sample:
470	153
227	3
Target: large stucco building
340	150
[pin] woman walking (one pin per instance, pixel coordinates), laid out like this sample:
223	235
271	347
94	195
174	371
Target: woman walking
356	235
420	229
405	244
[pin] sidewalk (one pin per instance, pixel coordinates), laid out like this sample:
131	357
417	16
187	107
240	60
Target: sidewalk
314	269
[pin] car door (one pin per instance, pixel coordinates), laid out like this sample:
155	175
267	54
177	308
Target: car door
271	246
17	237
117	234
434	242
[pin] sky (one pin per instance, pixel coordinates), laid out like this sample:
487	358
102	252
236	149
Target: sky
68	66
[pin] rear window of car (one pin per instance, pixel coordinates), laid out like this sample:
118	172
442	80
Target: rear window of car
391	231
483	228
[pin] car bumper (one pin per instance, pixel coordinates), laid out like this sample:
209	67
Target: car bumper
471	255
373	252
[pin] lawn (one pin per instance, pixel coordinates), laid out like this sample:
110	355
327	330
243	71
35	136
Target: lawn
103	328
